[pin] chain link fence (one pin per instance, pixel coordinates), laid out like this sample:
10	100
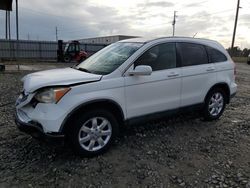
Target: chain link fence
27	49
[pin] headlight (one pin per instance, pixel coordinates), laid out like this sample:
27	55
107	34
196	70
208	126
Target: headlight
51	95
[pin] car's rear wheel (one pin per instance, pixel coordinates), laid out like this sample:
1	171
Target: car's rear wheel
93	132
214	104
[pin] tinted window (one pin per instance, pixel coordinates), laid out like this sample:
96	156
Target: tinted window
71	48
159	57
192	54
215	55
77	48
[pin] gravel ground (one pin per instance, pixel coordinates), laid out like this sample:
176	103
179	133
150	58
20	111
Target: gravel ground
178	152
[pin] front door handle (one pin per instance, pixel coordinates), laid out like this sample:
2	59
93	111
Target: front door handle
171	75
209	69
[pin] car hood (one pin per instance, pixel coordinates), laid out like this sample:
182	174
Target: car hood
57	77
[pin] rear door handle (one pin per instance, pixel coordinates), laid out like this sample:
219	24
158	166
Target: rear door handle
209	69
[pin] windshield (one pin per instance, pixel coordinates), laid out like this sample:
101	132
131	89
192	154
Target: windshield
110	58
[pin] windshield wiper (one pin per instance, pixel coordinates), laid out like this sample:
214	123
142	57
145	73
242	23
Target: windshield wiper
83	69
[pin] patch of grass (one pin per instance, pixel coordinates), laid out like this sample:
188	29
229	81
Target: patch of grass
240	59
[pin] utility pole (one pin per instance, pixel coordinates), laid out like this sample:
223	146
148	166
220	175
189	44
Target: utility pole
6	24
17	29
235	23
17	36
9	25
174	21
56	34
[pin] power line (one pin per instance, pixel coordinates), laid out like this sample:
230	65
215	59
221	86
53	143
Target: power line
164	23
227	10
79	30
154	25
44	13
198	3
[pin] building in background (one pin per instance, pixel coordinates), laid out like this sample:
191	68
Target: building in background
106	39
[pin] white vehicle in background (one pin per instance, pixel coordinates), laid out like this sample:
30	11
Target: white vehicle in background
129	81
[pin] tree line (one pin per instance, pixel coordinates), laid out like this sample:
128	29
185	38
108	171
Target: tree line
237	52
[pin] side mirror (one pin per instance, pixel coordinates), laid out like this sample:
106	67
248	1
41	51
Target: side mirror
141	70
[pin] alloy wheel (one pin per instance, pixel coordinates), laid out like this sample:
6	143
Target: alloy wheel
95	133
216	104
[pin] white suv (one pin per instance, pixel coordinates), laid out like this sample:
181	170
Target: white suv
126	82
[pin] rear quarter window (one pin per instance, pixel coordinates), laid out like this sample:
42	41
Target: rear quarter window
215	56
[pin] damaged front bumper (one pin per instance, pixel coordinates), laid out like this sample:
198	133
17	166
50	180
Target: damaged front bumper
33	128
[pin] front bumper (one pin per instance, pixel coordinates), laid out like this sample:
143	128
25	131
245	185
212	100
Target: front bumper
232	95
48	118
233	90
35	129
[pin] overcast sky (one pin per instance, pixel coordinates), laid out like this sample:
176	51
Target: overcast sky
75	19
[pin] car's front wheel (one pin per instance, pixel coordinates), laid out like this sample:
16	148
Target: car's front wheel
93	132
214	104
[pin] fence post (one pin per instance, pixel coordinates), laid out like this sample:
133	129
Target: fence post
17	54
40	49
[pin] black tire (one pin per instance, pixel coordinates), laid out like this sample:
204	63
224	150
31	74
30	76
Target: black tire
67	59
86	118
207	111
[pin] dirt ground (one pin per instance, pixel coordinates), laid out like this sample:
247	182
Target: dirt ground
177	152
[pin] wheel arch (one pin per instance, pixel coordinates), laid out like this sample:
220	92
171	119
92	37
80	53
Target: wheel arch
108	104
224	86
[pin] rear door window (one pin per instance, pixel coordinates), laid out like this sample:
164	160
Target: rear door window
191	54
